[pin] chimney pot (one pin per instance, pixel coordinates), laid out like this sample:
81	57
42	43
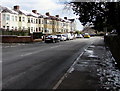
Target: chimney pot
34	11
17	7
65	18
48	14
57	16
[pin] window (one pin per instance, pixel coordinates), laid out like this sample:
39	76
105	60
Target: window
61	24
51	22
8	17
3	26
7	27
31	29
23	28
39	21
39	28
28	20
36	21
3	16
45	30
36	29
19	28
23	19
15	18
42	29
45	21
12	18
28	28
19	18
12	27
15	28
31	20
42	21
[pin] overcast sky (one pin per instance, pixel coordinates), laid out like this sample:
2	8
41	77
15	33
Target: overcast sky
55	7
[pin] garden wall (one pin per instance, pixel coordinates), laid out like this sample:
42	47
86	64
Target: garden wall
15	39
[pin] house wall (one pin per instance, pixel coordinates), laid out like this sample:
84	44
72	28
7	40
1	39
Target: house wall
47	25
22	23
41	25
9	21
0	20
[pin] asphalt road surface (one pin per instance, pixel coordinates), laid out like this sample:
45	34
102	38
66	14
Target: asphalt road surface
39	65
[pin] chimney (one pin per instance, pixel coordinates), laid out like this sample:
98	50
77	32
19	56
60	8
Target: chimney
48	14
57	16
65	18
34	11
38	13
17	7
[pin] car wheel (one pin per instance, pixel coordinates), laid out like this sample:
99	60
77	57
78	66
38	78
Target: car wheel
46	41
53	41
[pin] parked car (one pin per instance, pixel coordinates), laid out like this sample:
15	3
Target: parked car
72	37
86	35
69	36
51	38
79	36
92	35
62	37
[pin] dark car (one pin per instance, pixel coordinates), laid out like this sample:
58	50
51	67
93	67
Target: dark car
51	38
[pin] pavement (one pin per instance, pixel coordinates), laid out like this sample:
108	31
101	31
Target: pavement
94	69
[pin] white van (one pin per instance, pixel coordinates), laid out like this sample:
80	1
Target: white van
62	37
69	36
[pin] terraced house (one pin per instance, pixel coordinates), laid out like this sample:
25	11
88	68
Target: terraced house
17	19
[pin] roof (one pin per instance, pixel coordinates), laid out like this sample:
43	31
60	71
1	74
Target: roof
38	15
27	13
66	20
7	9
72	20
12	11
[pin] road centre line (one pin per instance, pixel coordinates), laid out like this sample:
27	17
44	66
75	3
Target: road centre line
9	80
27	54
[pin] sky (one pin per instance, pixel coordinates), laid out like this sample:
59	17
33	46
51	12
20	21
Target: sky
54	7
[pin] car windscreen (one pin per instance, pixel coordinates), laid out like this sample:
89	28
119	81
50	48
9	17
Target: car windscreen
64	35
58	35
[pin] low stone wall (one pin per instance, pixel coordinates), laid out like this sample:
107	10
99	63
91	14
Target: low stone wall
15	39
113	42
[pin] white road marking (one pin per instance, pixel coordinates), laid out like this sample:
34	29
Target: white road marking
27	54
10	80
55	46
7	46
20	74
70	69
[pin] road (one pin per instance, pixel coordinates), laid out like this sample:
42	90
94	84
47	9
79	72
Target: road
39	65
